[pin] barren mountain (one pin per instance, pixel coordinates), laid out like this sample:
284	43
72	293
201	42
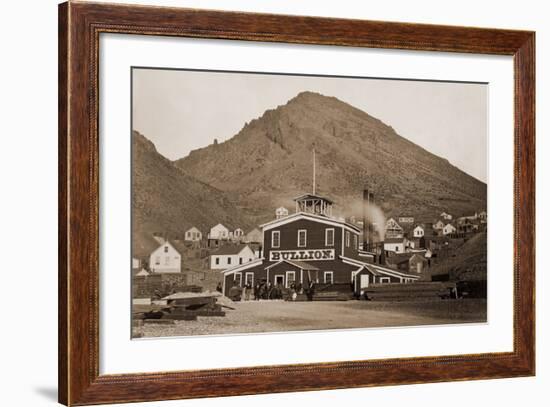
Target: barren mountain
168	201
269	162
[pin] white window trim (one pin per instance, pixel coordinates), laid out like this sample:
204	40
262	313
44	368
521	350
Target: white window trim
326	236
240	275
348	238
305	238
246	276
287	279
331	277
278	232
385	280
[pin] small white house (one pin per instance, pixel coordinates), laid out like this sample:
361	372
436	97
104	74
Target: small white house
448	229
395	244
238	234
418	231
405	219
193	235
231	255
165	259
281	212
393	229
446	216
439	225
219	232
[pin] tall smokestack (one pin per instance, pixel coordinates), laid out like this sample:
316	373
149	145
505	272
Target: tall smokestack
368	229
371	219
366	220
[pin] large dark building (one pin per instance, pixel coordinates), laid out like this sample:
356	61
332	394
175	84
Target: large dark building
312	246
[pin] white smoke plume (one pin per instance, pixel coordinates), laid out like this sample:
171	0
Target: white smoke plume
374	213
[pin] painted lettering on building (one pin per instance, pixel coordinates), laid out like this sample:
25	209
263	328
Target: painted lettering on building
305	255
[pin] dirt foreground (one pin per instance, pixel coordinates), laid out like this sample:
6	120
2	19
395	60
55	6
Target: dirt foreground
280	316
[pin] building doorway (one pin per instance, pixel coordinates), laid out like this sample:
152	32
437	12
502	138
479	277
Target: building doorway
279	279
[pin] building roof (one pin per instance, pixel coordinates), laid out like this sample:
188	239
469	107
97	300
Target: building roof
231	249
399	258
311	196
303	265
179	245
377	269
394	240
143	245
220	224
402	257
241	267
311	216
296	263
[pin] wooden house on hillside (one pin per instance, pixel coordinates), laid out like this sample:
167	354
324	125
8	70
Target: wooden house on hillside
231	255
448	229
167	258
393	229
193	235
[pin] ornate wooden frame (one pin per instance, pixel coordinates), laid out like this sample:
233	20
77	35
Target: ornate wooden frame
79	27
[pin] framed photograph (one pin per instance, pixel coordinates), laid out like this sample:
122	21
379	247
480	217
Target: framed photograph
254	203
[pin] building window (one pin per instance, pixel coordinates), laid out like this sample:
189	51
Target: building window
290	278
238	279
240	260
166	261
157	260
396	248
165	249
329	237
355	241
217	260
347	238
384	280
249	279
329	277
229	260
275	238
302	238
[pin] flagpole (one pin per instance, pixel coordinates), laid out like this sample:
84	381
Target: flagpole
314	171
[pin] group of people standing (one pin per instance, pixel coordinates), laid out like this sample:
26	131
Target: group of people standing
265	290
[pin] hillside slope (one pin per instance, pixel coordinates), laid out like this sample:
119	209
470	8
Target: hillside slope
166	200
269	162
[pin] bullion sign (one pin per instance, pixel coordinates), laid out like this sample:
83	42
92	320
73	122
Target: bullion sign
309	255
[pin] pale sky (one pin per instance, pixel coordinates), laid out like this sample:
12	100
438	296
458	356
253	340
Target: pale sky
180	111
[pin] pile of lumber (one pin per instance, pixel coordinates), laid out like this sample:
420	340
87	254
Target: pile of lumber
191	307
408	292
185	306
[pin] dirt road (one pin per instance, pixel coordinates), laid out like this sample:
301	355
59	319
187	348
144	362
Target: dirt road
277	316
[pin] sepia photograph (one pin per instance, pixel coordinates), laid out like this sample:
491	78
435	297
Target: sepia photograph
269	202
